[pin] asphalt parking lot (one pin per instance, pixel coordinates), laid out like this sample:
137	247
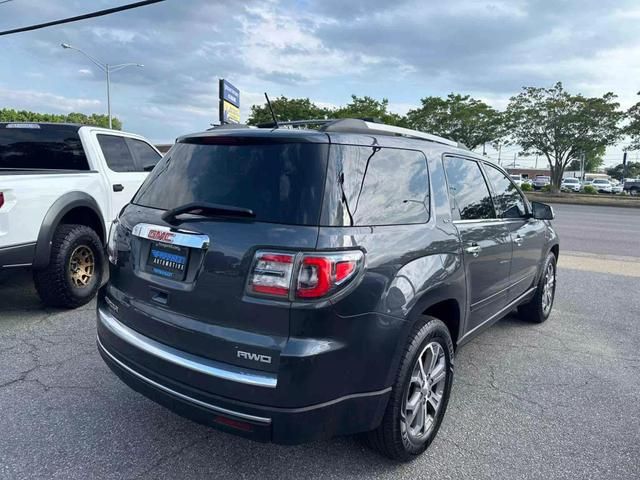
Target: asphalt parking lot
551	401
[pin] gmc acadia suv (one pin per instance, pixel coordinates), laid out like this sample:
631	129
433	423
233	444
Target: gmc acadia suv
291	284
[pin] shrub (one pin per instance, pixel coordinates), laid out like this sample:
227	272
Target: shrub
589	189
546	188
526	187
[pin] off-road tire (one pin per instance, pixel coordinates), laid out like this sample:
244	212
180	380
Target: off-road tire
54	282
533	310
387	439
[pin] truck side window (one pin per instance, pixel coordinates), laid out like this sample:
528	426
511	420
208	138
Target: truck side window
468	191
116	153
508	200
144	155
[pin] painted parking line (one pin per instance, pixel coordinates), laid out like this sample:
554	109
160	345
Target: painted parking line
612	264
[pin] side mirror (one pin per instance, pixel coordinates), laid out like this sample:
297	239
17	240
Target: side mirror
542	211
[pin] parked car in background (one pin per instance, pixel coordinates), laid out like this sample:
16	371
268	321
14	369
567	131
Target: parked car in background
632	186
540	181
517	179
616	186
601	185
61	185
315	283
570	184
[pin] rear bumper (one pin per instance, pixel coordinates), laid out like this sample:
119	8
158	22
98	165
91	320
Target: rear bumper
17	255
340	416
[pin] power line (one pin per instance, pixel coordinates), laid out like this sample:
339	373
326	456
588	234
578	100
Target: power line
5	1
99	13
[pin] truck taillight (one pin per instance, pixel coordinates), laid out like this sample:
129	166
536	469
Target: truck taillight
1	199
304	276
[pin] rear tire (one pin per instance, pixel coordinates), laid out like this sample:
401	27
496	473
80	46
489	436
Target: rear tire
538	309
74	272
402	436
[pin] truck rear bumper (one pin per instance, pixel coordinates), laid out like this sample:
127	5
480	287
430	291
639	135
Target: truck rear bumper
345	415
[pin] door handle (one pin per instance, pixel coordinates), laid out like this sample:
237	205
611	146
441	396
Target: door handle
118	187
474	249
518	241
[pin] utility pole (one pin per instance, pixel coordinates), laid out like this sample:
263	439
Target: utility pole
499	152
624	166
484	149
515	155
582	162
536	167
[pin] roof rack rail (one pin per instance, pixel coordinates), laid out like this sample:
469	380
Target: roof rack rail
364	126
295	123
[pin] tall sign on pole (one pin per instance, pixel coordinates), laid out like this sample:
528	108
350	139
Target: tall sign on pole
229	102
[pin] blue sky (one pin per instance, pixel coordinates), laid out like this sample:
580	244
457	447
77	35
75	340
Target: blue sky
325	50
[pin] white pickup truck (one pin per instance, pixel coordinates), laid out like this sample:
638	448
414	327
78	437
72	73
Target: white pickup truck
61	186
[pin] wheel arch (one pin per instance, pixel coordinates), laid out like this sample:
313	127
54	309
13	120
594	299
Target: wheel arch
72	207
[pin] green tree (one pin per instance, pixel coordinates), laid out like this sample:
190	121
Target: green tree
458	117
592	160
367	107
11	115
633	170
287	109
633	128
561	126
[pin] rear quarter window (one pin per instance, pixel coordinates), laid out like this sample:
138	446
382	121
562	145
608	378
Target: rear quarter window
376	186
42	147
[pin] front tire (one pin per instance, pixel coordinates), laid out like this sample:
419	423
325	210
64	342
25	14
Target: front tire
419	395
538	309
74	272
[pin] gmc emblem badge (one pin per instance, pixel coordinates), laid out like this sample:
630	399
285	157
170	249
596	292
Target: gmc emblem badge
161	236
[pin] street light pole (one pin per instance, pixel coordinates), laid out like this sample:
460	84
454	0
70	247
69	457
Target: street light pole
105	67
108	94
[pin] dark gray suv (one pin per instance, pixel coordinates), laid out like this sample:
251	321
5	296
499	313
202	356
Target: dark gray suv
291	284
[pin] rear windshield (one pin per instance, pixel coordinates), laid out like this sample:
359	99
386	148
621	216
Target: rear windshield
281	183
41	147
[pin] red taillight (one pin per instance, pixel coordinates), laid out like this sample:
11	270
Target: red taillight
271	274
312	276
1	199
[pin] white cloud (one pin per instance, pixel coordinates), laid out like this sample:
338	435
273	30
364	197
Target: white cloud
47	102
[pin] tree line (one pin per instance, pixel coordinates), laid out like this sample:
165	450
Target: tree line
11	115
561	126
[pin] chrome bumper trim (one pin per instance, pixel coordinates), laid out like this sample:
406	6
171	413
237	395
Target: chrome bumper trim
181	396
184	359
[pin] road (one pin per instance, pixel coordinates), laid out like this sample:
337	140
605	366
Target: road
557	400
599	230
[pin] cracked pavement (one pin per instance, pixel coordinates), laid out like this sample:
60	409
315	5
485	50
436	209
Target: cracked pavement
551	401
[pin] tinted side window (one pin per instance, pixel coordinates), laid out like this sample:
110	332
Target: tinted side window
468	190
508	200
143	153
42	147
379	186
116	153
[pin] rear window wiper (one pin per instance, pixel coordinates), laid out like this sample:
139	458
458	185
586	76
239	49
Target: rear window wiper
207	210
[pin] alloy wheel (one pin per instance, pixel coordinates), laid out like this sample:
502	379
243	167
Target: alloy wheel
81	266
548	289
425	393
